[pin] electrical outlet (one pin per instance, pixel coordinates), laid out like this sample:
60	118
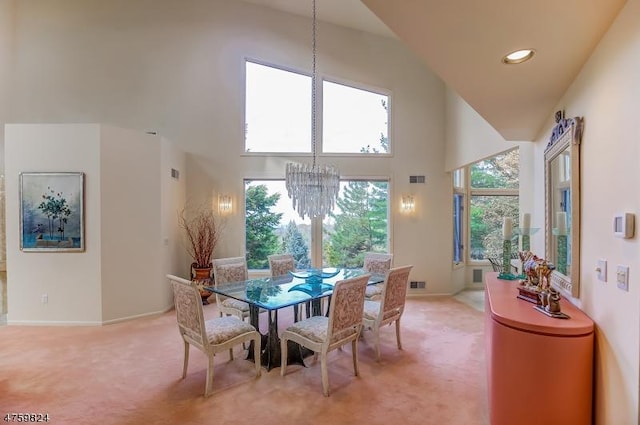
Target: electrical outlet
601	269
622	277
45	299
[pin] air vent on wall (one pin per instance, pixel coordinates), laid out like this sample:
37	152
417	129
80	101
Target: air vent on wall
477	275
416	179
418	284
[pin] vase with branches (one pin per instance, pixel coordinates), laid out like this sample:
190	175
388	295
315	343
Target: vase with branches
202	233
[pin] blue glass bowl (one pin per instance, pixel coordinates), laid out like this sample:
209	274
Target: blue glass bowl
321	273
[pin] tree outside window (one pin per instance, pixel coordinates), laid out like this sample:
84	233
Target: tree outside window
493	195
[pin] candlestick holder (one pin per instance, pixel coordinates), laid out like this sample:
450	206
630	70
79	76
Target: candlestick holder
506	261
525	237
562	254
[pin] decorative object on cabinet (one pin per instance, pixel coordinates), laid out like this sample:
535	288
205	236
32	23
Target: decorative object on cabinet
562	203
507	232
52	212
537	276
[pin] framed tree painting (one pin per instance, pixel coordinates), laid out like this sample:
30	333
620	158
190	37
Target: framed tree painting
52	212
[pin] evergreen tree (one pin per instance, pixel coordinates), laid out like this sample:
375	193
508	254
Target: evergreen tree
360	226
261	223
294	244
487	212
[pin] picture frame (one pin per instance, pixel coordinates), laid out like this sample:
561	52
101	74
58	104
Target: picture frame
52	211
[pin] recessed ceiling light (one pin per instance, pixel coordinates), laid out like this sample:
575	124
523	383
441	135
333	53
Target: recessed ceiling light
518	56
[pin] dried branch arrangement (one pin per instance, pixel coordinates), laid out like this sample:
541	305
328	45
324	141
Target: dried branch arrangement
202	234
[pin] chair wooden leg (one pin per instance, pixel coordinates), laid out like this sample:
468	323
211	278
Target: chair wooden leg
354	350
209	385
283	356
186	359
230	353
398	334
377	342
325	374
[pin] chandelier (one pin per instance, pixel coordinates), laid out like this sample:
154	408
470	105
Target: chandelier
313	188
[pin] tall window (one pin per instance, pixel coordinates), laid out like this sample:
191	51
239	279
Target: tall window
458	216
273	226
278	114
277	110
358	224
354	120
493	195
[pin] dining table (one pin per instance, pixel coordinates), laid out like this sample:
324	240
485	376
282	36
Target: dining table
295	289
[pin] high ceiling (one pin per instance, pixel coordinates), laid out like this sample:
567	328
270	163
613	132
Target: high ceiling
463	41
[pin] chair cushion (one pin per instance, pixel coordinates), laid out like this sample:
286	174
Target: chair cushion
371	309
222	329
313	328
373	265
236	304
282	267
373	290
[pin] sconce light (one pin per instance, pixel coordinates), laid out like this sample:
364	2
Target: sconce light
225	204
408	205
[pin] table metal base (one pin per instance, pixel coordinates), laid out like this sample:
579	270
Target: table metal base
270	345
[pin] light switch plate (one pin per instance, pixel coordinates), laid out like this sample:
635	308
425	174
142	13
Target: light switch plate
601	269
622	277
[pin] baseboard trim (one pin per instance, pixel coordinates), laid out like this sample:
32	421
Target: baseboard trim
85	323
137	316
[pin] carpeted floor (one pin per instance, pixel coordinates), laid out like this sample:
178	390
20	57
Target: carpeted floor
130	373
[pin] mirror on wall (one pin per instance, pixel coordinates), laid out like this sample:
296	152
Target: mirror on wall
562	203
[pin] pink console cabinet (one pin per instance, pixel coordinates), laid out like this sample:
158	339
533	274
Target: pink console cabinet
539	369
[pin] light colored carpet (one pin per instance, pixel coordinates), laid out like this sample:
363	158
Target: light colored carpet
130	373
472	297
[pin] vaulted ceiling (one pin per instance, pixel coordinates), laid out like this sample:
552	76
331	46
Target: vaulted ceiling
463	41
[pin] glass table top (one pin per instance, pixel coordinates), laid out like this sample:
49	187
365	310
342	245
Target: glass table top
272	293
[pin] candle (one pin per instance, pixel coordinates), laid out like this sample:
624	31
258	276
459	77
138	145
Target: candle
507	228
561	222
526	223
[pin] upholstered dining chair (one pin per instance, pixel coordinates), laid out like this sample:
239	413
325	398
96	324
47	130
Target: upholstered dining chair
390	307
378	263
322	334
231	269
281	264
210	336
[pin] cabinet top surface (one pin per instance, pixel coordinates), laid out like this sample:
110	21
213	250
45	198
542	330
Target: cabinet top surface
504	307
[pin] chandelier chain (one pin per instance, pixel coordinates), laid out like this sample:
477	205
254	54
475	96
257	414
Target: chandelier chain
314	78
313	188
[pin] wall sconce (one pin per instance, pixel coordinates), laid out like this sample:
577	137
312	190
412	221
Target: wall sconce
408	204
225	204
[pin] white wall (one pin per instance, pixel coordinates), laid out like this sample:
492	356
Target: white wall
178	68
174	259
607	94
7	17
72	280
470	137
130	225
